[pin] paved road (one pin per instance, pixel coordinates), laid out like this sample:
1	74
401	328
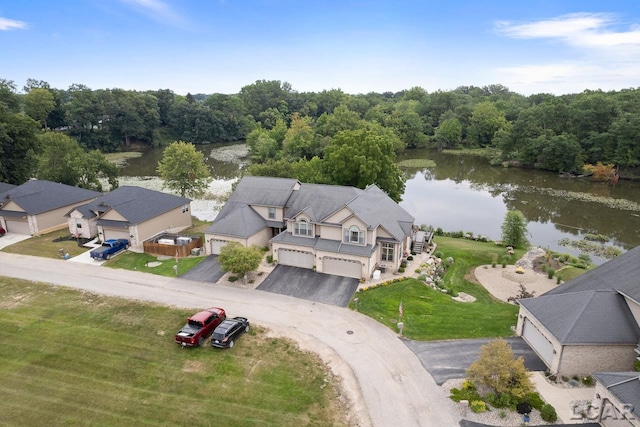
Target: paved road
382	376
447	360
310	285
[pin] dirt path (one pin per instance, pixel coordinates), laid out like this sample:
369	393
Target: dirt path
383	379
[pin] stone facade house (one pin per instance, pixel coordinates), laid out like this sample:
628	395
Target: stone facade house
335	229
589	324
37	206
130	212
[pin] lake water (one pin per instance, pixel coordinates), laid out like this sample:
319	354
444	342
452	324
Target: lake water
465	193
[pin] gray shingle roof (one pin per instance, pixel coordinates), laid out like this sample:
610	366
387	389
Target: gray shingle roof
237	220
318	201
317	243
38	196
625	386
589	317
621	273
136	204
4	187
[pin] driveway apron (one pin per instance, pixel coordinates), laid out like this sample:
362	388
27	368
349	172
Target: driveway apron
207	270
310	285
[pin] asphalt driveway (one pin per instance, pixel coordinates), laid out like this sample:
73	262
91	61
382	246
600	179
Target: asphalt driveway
207	270
310	285
450	359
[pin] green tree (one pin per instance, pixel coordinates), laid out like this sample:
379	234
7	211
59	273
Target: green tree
38	104
183	169
19	146
486	120
514	229
448	134
298	142
366	156
498	371
64	161
239	259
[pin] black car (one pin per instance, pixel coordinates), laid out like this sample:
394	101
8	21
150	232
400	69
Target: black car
228	331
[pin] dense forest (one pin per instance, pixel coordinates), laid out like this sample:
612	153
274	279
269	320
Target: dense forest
291	133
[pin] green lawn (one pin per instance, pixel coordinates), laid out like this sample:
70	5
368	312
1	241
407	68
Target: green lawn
139	262
432	315
47	245
74	358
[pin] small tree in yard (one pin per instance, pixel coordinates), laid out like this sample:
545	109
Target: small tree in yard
239	259
498	371
183	169
514	229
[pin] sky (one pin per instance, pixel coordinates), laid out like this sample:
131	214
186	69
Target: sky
358	46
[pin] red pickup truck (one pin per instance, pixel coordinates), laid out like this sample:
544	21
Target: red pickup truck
200	326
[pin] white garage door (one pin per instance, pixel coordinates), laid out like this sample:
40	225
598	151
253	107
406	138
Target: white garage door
295	258
216	245
342	267
19	227
538	342
115	233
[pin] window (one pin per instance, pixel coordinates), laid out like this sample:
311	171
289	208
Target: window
272	213
302	228
78	224
185	208
354	235
387	252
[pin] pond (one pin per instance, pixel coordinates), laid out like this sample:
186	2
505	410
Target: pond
463	193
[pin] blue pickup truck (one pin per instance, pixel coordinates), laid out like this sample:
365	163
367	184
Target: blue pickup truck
109	248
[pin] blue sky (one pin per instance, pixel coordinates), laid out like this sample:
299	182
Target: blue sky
209	46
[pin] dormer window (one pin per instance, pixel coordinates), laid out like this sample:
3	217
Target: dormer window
272	213
302	228
354	235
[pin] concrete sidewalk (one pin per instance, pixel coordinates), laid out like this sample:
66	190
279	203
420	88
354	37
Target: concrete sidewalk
561	398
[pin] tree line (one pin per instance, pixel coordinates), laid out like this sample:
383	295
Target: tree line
295	133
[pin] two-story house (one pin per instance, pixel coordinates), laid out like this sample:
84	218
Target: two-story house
335	229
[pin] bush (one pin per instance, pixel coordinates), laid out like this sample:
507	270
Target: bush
269	259
565	378
403	264
470	394
584	257
439	231
553	378
401	270
534	400
233	278
548	413
504	264
636	365
501	400
422	277
493	264
558	280
550	272
410	258
588	381
438	254
477	406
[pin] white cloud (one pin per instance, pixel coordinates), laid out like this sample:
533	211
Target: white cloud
11	24
159	11
597	53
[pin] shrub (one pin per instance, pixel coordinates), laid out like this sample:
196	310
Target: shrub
413	253
422	277
403	264
410	258
584	257
478	406
401	270
504	264
565	378
553	378
233	278
493	264
502	414
551	272
548	413
269	259
439	231
534	400
501	400
588	381
418	270
470	395
636	365
543	267
438	254
558	280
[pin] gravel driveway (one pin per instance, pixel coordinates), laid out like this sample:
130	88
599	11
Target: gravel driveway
382	378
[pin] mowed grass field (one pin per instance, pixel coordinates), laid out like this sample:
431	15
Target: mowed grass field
69	357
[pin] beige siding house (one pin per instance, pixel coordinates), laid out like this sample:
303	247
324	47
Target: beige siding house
589	324
37	207
335	229
132	213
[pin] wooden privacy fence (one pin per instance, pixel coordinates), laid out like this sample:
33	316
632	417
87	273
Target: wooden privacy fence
172	245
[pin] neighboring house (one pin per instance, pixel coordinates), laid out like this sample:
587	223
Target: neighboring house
589	324
335	229
37	207
129	212
4	187
617	399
